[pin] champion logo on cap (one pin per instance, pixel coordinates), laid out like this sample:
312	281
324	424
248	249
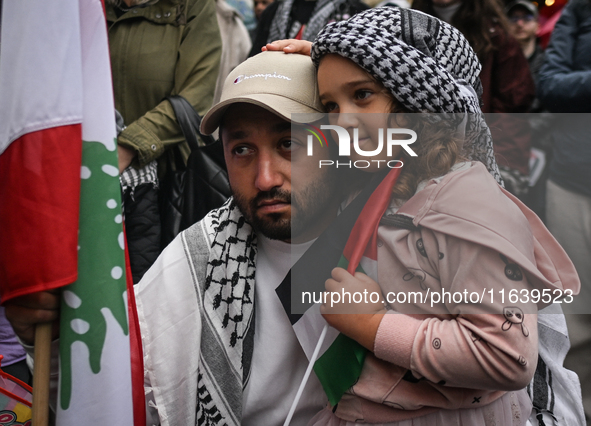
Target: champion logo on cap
241	78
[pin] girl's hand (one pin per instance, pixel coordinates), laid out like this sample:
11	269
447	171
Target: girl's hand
303	47
359	321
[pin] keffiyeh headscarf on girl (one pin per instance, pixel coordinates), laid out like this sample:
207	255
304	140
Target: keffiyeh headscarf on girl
425	63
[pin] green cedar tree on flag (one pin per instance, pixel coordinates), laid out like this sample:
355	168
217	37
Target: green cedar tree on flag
60	203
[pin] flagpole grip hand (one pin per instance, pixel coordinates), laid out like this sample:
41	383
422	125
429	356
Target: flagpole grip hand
25	312
354	306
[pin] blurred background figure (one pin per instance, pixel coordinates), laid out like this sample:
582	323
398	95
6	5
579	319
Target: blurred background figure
260	6
246	10
235	42
565	87
523	26
523	16
300	19
549	13
13	361
158	49
506	81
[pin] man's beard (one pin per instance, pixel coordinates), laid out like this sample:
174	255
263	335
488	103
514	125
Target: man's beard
311	202
273	225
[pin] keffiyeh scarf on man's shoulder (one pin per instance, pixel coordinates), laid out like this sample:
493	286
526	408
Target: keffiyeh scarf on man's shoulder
226	285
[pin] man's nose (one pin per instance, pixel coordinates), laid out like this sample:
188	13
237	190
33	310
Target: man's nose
270	173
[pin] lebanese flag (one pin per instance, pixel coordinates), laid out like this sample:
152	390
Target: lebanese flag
350	242
60	203
40	147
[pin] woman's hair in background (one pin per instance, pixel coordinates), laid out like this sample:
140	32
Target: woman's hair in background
474	19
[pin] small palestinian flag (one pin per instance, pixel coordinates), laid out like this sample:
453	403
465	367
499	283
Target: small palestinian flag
351	243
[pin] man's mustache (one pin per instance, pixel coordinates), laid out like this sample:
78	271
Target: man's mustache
275	194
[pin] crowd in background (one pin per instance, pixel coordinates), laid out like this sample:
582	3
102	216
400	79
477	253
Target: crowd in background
188	47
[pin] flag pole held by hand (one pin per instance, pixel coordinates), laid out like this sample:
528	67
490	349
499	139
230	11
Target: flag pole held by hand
41	375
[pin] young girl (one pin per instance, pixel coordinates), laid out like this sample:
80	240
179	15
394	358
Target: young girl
447	226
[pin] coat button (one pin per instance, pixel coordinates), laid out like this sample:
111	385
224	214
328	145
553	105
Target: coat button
158	16
153	147
380	243
134	11
167	14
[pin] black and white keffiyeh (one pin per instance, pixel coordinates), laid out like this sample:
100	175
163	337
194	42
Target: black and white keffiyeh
425	63
226	286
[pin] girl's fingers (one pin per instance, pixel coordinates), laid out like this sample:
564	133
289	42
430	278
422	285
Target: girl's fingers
339	274
290	46
331	285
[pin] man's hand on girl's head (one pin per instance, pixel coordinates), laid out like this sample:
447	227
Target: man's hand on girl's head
303	47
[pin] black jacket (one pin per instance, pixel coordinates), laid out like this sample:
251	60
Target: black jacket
564	86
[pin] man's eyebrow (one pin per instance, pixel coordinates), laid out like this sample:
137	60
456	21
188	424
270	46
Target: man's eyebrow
281	127
237	135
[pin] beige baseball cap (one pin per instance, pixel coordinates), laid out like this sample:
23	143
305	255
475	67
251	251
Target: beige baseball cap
282	83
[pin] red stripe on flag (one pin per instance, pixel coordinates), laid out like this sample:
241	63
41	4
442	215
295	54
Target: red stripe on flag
39	209
135	348
362	240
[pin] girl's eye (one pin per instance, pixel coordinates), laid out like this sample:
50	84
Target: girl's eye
330	106
363	94
241	151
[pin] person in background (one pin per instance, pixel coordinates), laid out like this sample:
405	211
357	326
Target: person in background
260	6
524	25
158	49
507	86
301	19
13	361
246	10
565	87
235	42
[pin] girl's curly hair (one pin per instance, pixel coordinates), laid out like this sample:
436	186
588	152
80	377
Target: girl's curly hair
437	147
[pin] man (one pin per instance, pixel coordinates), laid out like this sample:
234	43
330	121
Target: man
522	16
206	359
523	24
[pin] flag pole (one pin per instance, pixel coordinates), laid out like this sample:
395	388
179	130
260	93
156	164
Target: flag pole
306	376
41	375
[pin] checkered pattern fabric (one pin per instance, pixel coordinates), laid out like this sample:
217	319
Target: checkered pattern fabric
425	63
